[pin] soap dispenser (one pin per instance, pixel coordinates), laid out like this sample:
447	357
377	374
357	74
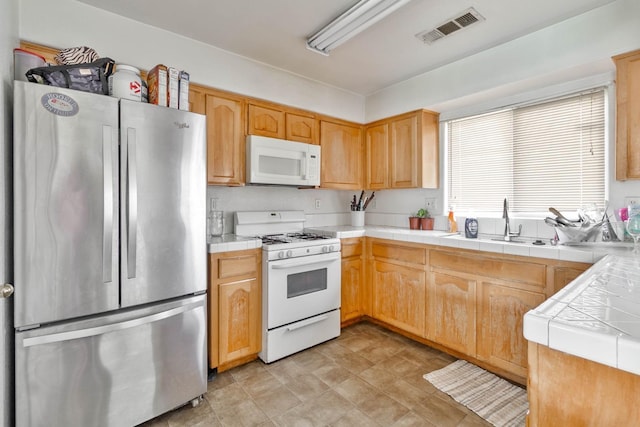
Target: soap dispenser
453	225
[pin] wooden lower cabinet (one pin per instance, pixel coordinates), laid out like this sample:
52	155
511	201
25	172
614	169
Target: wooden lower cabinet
452	311
566	390
235	315
352	291
469	302
239	322
399	285
399	296
500	337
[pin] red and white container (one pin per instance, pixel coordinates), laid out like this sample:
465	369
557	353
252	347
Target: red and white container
23	61
125	83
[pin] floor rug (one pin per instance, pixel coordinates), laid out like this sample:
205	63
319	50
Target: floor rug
494	399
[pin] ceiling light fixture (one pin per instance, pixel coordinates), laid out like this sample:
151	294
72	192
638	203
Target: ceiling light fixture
359	17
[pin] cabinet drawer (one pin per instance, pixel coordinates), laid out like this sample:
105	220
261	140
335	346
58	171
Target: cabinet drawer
511	271
351	247
409	254
246	265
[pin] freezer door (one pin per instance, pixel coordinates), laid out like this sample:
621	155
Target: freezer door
163	197
113	370
65	165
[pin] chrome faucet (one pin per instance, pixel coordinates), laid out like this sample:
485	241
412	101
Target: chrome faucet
507	227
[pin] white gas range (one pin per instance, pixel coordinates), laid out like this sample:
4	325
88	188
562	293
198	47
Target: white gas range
300	282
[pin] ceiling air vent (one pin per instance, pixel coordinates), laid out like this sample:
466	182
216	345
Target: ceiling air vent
466	18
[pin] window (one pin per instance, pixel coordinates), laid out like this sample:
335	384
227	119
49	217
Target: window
542	155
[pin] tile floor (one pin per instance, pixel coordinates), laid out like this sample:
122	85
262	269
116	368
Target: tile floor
366	377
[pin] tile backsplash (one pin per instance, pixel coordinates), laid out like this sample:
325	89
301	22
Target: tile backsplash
331	208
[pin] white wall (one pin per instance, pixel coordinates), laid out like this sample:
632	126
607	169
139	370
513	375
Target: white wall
67	23
571	55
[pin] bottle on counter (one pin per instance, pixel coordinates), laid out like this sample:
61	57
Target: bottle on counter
453	225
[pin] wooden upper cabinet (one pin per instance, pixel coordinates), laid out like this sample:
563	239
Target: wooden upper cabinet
265	121
405	161
628	115
342	156
225	139
301	128
277	121
402	151
377	156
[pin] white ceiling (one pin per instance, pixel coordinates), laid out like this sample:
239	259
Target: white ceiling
274	32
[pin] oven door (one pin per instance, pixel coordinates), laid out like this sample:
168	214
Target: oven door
299	288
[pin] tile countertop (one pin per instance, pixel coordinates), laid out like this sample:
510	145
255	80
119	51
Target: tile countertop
596	317
231	242
588	253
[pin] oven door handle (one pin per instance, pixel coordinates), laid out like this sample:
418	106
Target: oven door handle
307	322
303	264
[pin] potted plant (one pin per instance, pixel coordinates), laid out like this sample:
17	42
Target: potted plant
426	222
414	222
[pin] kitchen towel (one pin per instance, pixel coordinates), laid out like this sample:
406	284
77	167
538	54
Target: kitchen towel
494	399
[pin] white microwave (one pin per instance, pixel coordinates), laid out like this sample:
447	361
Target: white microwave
280	162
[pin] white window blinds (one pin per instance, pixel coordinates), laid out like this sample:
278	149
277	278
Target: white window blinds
548	154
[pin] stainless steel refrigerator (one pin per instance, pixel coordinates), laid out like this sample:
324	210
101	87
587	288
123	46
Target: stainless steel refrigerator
109	258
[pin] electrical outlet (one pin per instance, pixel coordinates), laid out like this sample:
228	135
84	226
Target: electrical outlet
430	204
317	203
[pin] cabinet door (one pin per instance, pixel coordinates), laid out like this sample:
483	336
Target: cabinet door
239	319
399	296
341	156
225	140
266	121
628	116
562	276
301	128
377	157
352	292
501	313
404	153
452	317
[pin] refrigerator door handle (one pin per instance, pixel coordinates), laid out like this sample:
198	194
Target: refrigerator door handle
107	173
101	330
132	203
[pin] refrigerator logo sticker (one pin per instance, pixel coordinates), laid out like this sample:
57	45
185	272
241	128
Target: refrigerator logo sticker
60	104
181	125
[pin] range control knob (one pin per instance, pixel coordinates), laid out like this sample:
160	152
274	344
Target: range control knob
326	249
281	254
289	254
